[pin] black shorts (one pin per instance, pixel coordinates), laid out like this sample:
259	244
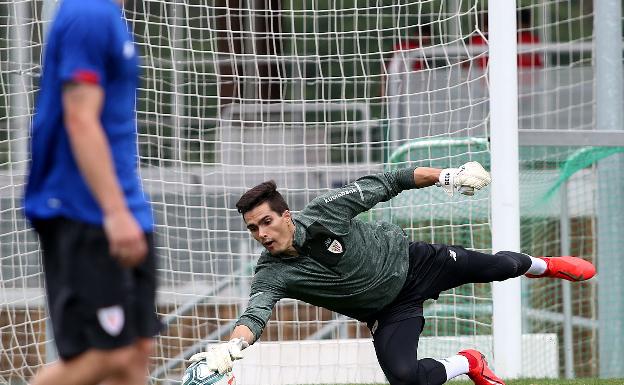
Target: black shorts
409	302
434	268
94	303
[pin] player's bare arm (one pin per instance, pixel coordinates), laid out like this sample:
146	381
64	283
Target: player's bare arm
82	105
244	333
426	176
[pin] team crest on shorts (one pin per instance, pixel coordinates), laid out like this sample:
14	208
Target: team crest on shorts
111	319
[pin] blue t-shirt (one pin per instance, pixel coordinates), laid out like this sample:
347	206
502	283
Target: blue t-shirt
88	42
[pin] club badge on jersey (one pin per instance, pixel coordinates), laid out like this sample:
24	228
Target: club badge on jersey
334	246
324	246
128	50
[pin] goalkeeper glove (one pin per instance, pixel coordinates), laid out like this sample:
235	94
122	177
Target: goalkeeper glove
220	357
466	179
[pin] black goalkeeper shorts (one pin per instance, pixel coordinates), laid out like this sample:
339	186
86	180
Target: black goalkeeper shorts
434	268
94	302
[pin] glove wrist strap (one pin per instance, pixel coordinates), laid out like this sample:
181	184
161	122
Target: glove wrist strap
446	180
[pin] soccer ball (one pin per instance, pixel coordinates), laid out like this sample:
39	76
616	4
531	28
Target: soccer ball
198	373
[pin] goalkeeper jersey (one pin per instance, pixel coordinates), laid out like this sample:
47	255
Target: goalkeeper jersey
344	264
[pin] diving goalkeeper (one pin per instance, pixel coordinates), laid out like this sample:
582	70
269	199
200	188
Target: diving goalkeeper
371	271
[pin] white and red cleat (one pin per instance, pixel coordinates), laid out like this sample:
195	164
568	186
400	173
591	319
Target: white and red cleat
478	370
570	268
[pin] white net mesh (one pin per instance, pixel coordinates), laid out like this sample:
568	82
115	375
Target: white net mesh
313	95
556	91
23	334
559	218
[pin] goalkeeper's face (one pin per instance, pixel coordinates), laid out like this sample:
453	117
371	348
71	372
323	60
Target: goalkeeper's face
274	231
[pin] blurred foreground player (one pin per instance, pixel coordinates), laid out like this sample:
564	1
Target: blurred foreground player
370	271
84	199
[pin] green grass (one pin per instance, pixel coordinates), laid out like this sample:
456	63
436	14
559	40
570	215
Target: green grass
582	381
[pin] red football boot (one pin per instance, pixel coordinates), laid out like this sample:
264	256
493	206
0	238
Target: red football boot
571	268
478	371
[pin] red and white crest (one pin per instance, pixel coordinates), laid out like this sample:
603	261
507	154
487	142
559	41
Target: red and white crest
112	319
335	247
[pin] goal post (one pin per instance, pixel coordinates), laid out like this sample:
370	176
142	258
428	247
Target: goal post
503	72
609	116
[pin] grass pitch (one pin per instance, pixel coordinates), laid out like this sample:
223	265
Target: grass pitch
580	381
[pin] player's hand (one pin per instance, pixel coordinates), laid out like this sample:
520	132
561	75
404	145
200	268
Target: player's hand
220	357
465	179
126	239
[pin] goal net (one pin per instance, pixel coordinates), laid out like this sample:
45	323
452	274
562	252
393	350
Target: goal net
300	92
560	201
313	95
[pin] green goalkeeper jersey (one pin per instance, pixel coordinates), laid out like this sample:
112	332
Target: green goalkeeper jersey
343	264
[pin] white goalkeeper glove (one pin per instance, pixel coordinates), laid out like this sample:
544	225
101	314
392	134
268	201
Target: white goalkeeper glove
466	179
220	357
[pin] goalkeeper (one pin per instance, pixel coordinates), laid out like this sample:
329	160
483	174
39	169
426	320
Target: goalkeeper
371	271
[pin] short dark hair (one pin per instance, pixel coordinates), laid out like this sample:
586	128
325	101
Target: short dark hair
264	192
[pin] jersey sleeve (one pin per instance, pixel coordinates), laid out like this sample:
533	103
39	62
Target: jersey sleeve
83	48
266	290
335	209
